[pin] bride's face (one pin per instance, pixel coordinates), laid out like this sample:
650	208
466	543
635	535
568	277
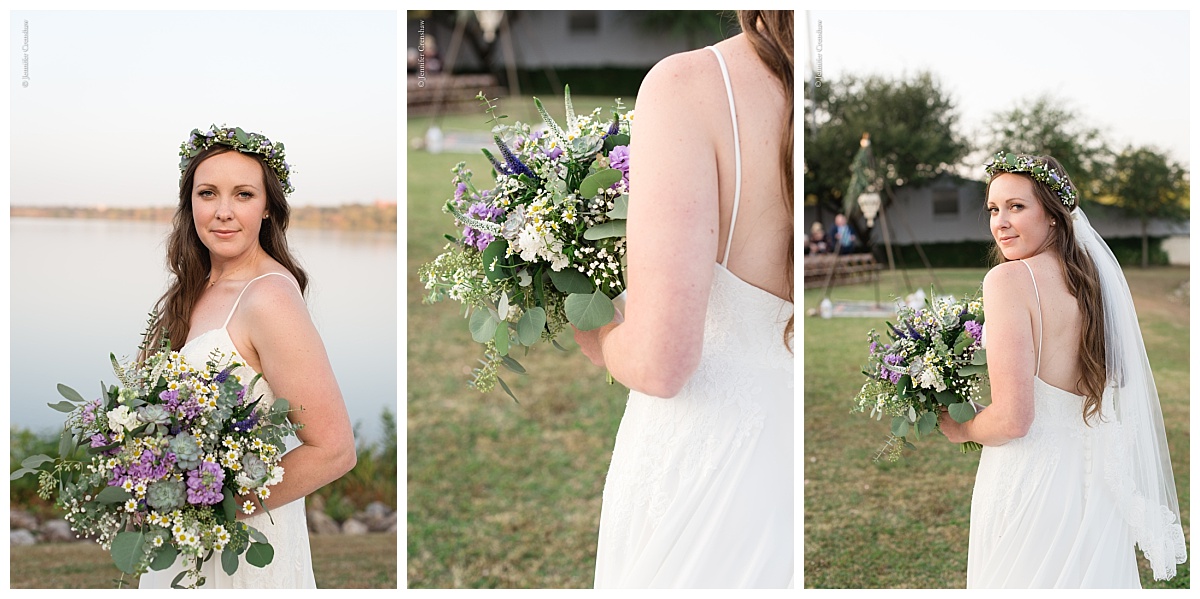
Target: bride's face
229	202
1019	223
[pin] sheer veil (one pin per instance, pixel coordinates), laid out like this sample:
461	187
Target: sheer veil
1135	460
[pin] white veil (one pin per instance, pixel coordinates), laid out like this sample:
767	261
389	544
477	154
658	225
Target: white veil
1135	459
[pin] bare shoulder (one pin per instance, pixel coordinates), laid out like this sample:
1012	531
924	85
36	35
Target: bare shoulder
676	74
275	297
1007	282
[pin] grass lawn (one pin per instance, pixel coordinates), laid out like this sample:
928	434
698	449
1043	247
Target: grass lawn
500	494
905	524
339	561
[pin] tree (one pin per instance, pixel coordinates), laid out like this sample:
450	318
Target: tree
1048	126
912	124
1145	185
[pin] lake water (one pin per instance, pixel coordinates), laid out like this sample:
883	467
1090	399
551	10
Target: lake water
81	289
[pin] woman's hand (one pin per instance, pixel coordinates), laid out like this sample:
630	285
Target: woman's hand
591	344
954	431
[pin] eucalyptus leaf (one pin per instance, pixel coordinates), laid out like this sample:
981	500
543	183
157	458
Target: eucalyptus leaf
504	385
980	357
899	426
926	423
945	397
971	370
569	280
502	308
620	207
256	534
501	340
512	364
18	473
228	505
66	444
589	311
595	183
229	562
34	461
483	326
127	549
531	325
493	257
112	495
961	412
70	393
178	578
164	557
557	346
613	141
260	554
912	414
63	406
612	228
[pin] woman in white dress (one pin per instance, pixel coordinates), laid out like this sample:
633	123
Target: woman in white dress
236	288
1075	469
700	489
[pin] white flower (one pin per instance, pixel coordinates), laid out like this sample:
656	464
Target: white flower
120	419
276	476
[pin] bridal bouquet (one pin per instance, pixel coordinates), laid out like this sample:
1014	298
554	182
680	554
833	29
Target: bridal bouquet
544	245
933	358
152	467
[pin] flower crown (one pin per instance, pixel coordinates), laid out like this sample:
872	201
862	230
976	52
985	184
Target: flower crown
247	143
1007	162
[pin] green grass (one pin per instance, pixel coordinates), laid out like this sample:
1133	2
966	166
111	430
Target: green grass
500	494
905	524
344	562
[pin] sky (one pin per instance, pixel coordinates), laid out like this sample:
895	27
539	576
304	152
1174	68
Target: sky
1124	72
112	94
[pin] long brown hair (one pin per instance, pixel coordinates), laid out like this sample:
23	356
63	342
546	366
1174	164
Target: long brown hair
1082	283
189	259
770	33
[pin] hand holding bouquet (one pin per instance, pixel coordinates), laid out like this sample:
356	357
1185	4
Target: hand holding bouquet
544	246
934	358
152	468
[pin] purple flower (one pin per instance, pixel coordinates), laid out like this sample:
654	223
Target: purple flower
554	153
221	376
204	484
244	426
618	158
615	128
459	190
99	440
974	329
889	375
481	211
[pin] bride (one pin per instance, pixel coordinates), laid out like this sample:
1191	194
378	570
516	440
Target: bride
700	489
237	288
1075	469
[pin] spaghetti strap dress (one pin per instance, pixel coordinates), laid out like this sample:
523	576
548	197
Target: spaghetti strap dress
287	525
699	493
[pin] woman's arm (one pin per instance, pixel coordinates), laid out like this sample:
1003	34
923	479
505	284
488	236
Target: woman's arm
672	231
1007	290
294	362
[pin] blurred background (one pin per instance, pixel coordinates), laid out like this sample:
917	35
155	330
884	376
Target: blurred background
502	494
96	124
901	111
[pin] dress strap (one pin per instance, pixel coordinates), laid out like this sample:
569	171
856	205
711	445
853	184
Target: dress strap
737	155
239	297
1041	328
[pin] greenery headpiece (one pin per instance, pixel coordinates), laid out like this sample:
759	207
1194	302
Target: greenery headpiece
1007	162
247	143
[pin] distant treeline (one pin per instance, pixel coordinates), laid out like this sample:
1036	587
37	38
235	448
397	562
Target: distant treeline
380	216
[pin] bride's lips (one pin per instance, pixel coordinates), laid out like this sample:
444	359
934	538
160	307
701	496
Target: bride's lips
224	233
1007	238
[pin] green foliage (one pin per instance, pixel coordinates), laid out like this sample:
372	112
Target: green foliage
1146	185
1046	125
912	124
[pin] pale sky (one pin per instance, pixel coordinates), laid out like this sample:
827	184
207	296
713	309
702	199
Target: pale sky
1126	73
112	94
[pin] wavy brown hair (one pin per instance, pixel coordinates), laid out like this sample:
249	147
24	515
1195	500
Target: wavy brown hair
189	259
1082	283
771	34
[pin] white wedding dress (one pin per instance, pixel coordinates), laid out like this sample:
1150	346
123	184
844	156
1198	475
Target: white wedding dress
700	490
291	567
1041	513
